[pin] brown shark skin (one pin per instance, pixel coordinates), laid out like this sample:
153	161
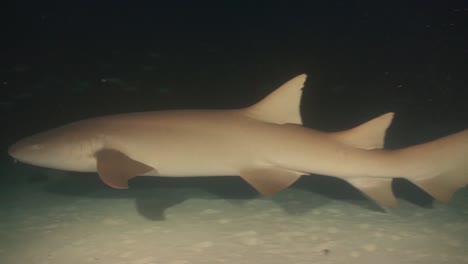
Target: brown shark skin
265	144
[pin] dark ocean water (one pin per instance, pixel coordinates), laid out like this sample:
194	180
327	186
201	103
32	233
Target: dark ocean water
69	62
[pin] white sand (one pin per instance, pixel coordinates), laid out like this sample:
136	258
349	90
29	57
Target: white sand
102	226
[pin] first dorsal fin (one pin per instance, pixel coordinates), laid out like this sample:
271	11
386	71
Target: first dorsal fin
281	106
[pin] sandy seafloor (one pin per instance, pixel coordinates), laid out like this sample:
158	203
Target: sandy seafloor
55	217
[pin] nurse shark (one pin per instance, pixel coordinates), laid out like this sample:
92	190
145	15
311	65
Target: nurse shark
265	144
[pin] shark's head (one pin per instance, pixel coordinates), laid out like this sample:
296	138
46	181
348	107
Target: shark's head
60	148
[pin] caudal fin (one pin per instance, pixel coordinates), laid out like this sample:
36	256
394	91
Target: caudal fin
439	167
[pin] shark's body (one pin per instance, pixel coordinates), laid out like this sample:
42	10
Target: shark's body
265	144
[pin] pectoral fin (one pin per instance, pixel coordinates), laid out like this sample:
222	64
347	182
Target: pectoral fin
379	189
115	168
269	181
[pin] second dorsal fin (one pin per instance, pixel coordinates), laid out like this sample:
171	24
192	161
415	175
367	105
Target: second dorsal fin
370	135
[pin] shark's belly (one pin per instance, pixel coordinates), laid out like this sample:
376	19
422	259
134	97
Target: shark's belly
198	163
187	156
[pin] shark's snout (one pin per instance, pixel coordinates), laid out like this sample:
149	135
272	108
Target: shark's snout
13	151
23	150
53	150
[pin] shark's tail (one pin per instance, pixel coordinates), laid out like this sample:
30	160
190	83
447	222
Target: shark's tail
439	167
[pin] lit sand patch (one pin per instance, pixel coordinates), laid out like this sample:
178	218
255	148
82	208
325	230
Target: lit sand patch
224	221
182	261
202	231
251	241
379	234
113	221
364	226
244	233
370	247
201	246
332	230
144	260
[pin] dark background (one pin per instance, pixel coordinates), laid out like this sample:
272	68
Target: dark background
67	60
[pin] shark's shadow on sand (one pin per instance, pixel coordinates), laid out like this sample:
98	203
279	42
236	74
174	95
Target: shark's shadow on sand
153	195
